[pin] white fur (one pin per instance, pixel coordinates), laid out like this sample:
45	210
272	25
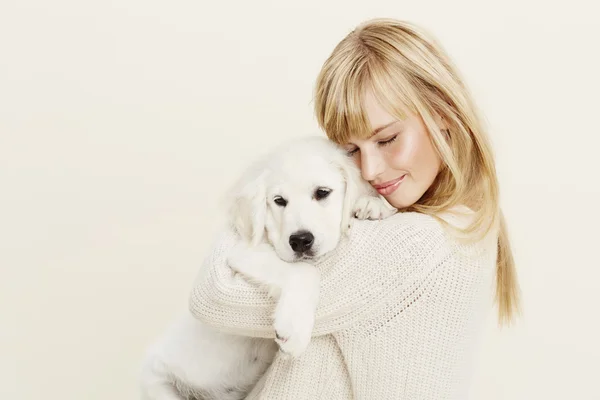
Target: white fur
194	361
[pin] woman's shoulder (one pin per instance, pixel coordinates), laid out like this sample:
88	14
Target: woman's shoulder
412	229
398	236
398	226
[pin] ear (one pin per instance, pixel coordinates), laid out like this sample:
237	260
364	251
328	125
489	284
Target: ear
356	187
248	207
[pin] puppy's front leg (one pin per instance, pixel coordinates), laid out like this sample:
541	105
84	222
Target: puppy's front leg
295	311
261	265
296	285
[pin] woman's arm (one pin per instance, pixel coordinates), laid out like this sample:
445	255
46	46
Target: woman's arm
365	272
224	299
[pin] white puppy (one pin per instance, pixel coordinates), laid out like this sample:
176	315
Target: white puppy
289	209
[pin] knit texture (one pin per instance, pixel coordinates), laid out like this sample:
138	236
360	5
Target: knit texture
400	309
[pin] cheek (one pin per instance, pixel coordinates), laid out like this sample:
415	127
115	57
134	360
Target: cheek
334	211
271	225
428	158
274	215
274	223
327	218
402	154
328	226
415	154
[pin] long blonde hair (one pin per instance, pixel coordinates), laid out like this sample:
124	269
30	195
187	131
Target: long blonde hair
408	70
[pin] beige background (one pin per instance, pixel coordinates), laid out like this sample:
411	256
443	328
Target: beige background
121	123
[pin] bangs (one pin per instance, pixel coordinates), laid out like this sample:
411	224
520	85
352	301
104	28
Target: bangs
340	103
341	112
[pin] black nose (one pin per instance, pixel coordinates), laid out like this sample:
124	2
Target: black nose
301	241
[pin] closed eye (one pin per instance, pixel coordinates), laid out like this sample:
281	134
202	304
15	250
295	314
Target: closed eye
388	141
381	143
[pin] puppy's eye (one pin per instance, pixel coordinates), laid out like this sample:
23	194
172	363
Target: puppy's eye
322	193
280	201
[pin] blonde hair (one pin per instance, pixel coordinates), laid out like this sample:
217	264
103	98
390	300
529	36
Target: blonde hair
407	70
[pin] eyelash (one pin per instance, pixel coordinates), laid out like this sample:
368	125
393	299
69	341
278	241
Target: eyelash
381	143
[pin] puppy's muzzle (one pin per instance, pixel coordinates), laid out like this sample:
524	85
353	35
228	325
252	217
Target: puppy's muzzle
301	242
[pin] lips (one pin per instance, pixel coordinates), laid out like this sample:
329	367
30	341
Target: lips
389	187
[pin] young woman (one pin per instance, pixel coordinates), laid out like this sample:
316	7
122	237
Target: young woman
402	301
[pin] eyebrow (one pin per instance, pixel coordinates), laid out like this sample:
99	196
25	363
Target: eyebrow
376	131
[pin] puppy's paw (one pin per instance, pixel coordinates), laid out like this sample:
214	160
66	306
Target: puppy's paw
295	313
371	207
293	327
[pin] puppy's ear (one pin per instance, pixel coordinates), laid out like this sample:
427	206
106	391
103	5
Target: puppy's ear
356	187
248	207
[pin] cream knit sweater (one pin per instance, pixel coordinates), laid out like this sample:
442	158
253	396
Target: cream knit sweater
400	309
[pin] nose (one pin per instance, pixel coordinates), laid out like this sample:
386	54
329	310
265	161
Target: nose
301	241
371	164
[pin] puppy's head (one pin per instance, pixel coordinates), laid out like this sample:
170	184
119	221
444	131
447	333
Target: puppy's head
300	198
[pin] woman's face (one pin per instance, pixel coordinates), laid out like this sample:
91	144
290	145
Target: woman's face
398	160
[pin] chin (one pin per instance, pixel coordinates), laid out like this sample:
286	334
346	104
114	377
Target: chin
400	202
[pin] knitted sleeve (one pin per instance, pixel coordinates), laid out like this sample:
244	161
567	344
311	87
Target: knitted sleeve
367	272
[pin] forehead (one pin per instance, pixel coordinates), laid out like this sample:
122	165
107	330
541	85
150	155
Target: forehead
377	116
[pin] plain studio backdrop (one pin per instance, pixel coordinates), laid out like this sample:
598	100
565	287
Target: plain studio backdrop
123	122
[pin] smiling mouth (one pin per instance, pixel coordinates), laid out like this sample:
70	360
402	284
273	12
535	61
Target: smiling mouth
389	183
390	186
